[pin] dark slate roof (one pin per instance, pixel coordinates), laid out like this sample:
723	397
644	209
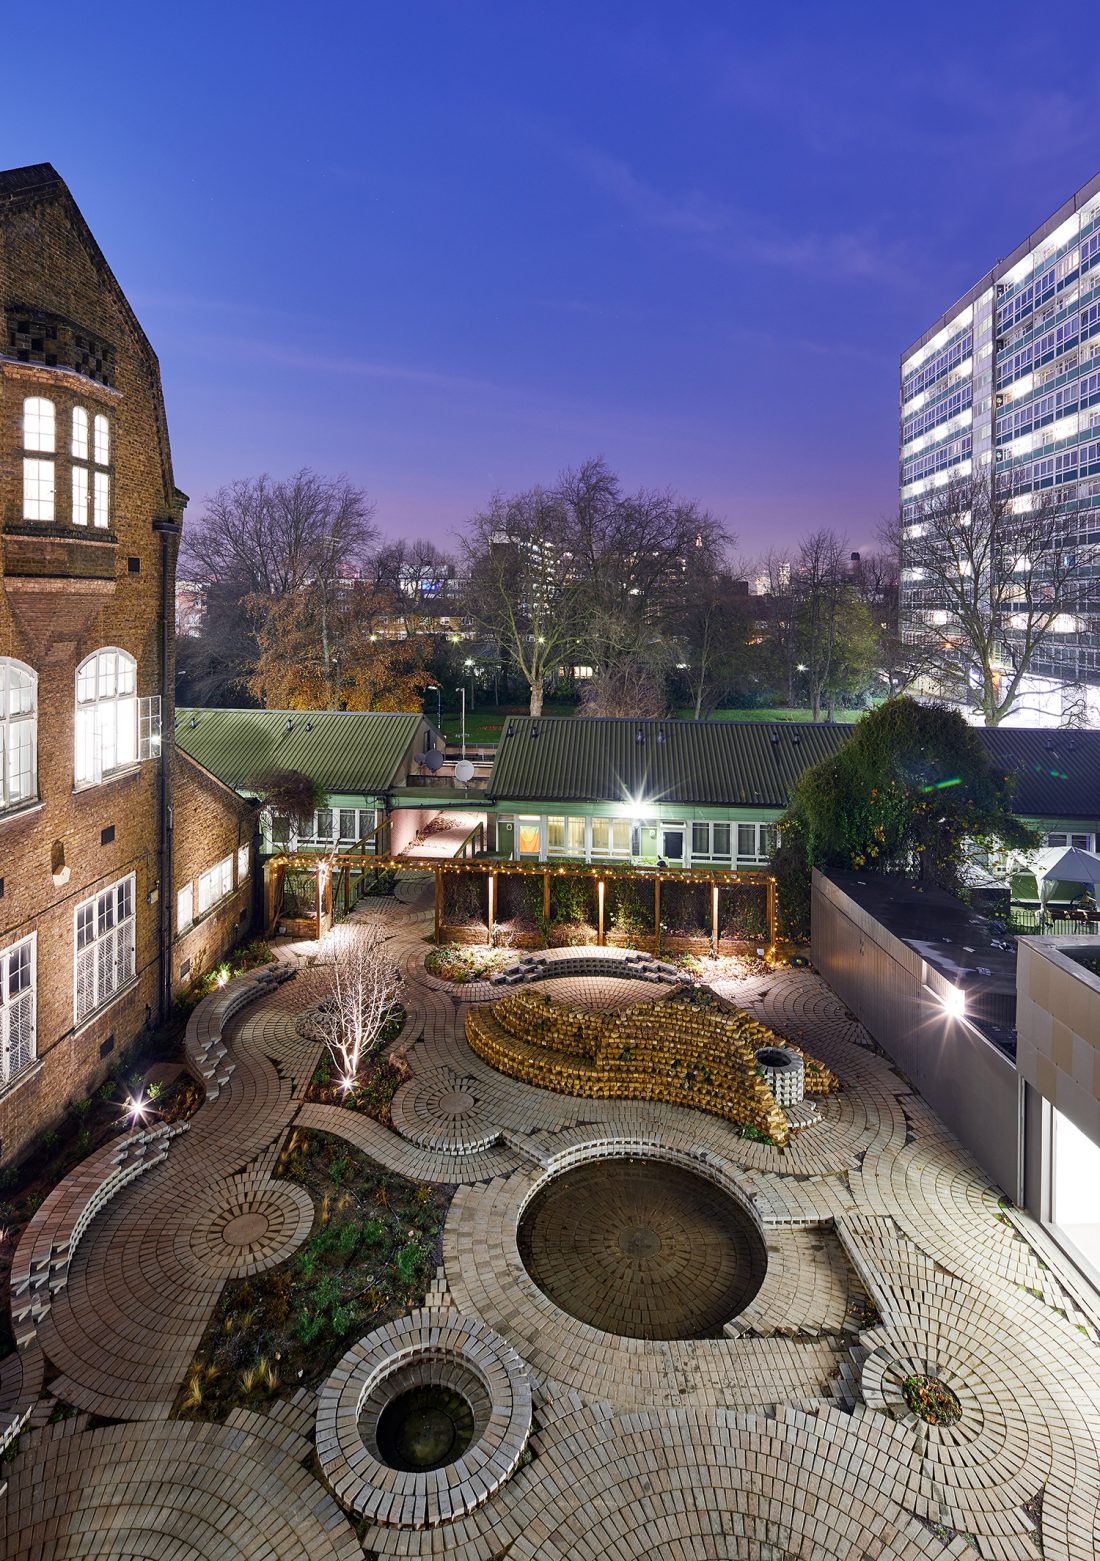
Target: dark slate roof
726	763
742	763
351	752
1057	770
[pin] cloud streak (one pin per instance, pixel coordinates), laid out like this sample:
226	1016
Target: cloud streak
734	234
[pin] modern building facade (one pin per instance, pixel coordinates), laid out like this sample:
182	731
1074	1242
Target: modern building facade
1007	382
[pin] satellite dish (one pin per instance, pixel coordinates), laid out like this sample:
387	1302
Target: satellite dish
433	760
464	770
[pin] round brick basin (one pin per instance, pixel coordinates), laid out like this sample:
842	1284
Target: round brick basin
429	1424
642	1248
423	1420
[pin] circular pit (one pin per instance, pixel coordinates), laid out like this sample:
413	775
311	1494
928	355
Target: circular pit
642	1248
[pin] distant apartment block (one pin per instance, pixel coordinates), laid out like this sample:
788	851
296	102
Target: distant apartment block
1009	380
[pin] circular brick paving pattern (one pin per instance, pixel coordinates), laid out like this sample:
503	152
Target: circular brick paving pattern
245	1232
598	992
642	1249
443	1110
473	1379
168	1491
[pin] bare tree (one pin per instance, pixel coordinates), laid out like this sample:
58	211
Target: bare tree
635	556
712	628
989	578
779	613
271	537
522	585
631	687
362	984
818	583
421	581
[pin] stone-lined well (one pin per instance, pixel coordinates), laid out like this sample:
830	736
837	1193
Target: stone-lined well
422	1420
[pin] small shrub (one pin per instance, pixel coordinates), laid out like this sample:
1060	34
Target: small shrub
408	1261
310	1325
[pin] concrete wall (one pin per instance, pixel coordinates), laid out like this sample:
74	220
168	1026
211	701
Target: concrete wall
1058	1025
971	1085
404	823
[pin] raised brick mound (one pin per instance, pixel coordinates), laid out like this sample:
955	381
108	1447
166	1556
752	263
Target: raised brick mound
677	1050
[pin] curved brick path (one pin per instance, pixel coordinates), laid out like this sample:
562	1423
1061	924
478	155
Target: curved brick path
148	1274
780	1440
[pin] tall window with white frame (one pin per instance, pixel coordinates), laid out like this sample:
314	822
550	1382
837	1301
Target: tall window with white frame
17	1007
106	715
91	453
39	458
104	937
18	733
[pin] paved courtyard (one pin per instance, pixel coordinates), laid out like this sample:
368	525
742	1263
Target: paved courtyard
779	1433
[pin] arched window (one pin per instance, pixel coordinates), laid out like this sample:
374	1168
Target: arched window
18	733
38	425
80	434
39	436
101	480
106	715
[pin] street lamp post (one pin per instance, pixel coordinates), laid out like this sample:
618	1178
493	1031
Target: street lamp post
462	691
434	688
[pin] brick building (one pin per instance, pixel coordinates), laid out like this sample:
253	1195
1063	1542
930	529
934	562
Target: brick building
90	521
213	869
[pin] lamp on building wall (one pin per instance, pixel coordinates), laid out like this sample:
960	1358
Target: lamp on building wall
954	1002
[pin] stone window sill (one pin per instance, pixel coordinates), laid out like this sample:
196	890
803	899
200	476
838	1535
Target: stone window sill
58	531
97	1013
21	810
24	1076
82	787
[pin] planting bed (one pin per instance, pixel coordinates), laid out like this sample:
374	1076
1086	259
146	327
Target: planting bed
370	1258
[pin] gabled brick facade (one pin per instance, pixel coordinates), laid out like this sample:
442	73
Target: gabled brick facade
90	571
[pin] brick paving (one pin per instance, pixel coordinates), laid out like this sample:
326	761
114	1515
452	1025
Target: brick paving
785	1434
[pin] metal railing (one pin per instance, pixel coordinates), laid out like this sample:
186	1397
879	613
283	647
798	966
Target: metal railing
1058	922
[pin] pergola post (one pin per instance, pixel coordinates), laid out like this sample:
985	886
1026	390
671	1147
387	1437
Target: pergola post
438	901
772	925
657	910
714	917
492	904
600	887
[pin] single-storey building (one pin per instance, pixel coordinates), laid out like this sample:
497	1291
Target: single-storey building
712	792
358	761
683	793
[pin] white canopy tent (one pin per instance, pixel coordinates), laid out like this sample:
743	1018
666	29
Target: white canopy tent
1062	864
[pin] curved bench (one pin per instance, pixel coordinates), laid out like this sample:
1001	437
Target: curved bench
629	964
203	1047
40	1268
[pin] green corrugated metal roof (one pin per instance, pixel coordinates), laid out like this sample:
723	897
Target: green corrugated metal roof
344	751
730	763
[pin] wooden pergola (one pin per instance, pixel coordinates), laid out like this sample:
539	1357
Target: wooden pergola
335	874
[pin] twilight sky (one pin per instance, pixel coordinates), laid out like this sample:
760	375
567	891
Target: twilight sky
453	247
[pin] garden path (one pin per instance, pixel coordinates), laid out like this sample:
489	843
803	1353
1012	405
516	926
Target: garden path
889	1255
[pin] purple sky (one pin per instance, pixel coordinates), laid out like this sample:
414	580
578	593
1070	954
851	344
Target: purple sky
449	248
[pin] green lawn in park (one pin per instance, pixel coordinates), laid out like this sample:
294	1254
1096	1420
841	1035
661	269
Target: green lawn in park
779	714
483	724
